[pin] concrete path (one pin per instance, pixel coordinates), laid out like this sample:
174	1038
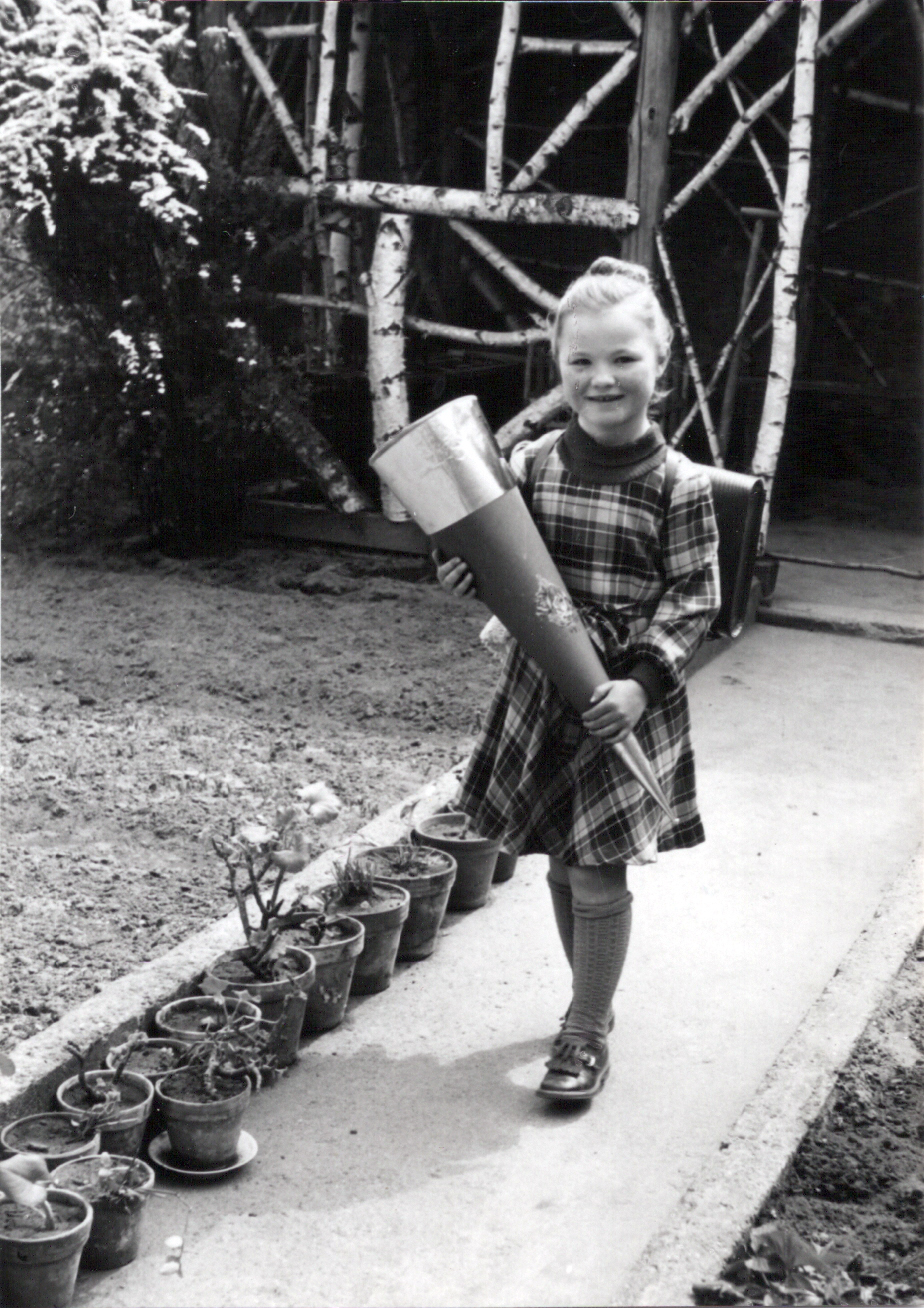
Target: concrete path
881	604
406	1160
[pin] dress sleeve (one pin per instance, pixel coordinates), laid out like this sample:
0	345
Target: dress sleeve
691	568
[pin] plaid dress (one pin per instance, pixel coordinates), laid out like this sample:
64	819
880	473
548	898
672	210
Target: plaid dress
644	587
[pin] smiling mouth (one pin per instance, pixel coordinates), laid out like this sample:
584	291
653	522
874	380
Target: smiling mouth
604	399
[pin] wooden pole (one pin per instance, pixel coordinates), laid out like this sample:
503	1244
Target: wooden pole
552	208
786	281
646	180
264	80
497	104
386	287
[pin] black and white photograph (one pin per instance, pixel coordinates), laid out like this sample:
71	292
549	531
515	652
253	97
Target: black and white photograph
462	662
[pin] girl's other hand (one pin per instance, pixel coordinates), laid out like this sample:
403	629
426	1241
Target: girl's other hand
616	706
454	575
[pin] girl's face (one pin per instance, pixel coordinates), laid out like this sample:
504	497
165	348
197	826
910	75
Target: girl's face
609	367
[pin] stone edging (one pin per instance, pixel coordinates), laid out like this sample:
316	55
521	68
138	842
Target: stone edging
130	1002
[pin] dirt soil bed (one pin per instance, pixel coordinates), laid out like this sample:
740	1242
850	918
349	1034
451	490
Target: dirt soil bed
148	702
855	1187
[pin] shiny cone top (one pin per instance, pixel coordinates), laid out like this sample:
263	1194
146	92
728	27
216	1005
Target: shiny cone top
444	466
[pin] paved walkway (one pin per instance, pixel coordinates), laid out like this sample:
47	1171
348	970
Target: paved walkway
406	1160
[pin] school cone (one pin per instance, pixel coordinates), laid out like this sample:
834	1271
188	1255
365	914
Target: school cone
448	473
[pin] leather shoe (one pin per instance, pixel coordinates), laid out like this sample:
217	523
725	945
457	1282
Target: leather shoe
577	1069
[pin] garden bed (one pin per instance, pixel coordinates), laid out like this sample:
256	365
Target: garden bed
149	702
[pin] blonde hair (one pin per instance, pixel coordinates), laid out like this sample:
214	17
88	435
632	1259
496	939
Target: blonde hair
606	283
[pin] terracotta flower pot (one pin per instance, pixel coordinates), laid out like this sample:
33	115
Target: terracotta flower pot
124	1131
282	1001
116	1230
335	955
51	1136
38	1269
154	1059
505	867
383	917
474	855
188	1020
428	879
203	1132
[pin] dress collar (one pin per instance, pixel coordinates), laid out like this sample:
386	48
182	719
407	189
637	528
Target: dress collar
609	466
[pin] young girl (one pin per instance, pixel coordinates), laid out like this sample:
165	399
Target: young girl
644	576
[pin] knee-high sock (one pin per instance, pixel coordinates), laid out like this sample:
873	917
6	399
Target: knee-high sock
564	916
601	941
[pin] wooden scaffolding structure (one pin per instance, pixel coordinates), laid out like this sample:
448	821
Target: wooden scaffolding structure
326	154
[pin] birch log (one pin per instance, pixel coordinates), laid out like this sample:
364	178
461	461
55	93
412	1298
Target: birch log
628	16
497	104
466	335
572	121
680	120
386	286
839	31
701	397
786	281
546	208
322	105
524	425
554	45
264	80
351	139
532	290
743	125
740	109
314	452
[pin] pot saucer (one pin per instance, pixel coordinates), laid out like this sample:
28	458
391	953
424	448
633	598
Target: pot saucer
159	1152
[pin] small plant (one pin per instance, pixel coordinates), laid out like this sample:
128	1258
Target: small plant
354	882
256	857
236	1051
112	1181
104	1098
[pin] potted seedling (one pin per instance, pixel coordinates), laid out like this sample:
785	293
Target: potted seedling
382	907
334	943
203	1102
475	856
125	1098
43	1230
427	875
269	968
152	1056
117	1189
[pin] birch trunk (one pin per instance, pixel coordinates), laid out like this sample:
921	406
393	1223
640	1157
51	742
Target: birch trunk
550	208
497	104
701	397
786	281
351	136
320	159
386	286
